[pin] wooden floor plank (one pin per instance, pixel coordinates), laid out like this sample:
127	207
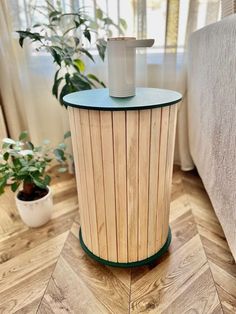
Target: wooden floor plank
183	229
106	287
224	279
26	294
28	263
164	283
69	296
228	302
219	256
31	238
198	297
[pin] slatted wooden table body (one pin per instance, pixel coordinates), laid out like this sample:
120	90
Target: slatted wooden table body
123	154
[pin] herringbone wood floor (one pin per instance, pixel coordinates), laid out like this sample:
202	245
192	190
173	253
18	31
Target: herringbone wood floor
44	270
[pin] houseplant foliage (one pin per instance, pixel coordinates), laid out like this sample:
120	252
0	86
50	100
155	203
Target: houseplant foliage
68	37
23	163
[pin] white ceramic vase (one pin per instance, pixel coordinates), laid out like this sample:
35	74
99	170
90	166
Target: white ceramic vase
35	213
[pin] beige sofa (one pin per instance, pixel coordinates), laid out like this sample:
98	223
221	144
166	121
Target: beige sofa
212	117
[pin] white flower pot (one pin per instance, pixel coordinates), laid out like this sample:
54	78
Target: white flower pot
35	213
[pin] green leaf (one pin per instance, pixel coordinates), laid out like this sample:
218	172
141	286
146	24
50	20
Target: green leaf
3	168
27	34
59	50
31	145
8	141
23	135
56	86
54	15
56	74
93	77
47	179
87	34
3	181
77	24
123	23
93	25
66	89
99	14
101	47
87	53
6	156
16	163
32	169
15	186
108	21
67	134
67	78
23	171
79	64
23	162
40	183
80	82
5	145
59	154
56	56
62	146
80	21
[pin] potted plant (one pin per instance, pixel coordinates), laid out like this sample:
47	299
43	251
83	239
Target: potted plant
68	37
23	166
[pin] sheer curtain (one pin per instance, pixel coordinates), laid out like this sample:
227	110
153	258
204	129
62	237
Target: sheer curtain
27	100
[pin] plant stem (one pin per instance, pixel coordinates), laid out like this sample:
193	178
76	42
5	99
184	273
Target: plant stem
28	187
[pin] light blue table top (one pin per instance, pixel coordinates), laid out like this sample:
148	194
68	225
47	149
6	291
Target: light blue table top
145	98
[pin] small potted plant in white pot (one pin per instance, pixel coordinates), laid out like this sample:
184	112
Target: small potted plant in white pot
23	166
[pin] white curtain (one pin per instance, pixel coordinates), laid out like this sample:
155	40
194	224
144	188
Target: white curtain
25	86
169	22
10	84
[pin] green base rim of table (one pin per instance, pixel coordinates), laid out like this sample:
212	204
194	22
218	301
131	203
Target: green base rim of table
143	262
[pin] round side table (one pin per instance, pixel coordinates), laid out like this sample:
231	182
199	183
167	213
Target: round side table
123	153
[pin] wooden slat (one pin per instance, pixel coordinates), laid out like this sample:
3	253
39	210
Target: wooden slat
169	168
153	178
132	183
161	203
109	182
143	194
119	137
95	129
89	175
77	144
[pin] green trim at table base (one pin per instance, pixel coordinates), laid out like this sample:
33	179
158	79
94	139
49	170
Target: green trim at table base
143	262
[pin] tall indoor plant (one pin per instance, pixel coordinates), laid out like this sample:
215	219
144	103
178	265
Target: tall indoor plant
68	37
